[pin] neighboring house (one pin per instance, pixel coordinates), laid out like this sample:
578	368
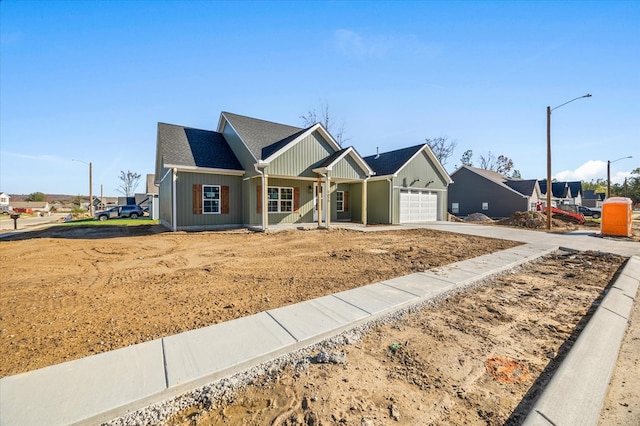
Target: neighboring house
31	206
255	173
477	190
410	185
563	192
152	196
4	199
590	198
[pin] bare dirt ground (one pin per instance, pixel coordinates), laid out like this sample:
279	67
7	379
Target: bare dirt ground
475	358
71	292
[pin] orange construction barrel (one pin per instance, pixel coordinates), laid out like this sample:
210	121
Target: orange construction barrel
616	217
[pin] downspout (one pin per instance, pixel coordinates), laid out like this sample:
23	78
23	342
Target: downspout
174	207
263	183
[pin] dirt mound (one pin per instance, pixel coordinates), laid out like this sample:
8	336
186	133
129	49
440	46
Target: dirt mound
533	220
454	218
478	217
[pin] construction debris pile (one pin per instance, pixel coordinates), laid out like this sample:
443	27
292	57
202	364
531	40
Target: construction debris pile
531	219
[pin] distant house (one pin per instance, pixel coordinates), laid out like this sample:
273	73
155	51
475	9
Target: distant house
252	172
590	198
563	192
152	197
31	206
4	199
476	190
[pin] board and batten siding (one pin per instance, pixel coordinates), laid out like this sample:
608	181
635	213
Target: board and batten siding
165	197
378	202
470	190
302	158
422	168
347	168
305	208
184	187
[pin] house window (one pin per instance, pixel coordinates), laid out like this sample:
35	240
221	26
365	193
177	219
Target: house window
455	208
280	200
210	199
485	206
340	201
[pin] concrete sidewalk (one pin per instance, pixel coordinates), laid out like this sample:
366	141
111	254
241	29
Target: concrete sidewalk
578	240
104	386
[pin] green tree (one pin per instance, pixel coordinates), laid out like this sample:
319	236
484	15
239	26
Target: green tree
36	196
466	158
630	188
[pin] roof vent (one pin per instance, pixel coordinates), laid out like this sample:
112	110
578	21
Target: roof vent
377	152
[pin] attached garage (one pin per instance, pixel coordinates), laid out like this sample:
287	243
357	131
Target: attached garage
418	206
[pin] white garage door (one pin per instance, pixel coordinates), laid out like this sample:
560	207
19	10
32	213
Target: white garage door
418	207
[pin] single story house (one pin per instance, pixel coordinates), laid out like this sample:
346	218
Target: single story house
591	198
476	190
255	173
152	197
563	192
31	206
4	199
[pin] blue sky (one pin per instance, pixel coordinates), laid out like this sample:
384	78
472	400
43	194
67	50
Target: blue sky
91	80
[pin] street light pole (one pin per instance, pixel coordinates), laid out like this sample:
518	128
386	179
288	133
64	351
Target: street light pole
609	173
549	189
90	184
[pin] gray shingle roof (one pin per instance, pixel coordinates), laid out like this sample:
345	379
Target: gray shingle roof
388	163
262	138
558	189
330	159
590	194
521	186
575	187
186	146
524	187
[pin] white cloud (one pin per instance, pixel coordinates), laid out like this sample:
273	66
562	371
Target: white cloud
39	157
592	170
355	45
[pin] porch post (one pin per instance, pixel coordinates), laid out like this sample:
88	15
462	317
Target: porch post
319	198
265	206
327	221
364	201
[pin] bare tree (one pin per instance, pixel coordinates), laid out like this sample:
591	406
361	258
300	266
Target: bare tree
442	148
130	181
500	164
337	130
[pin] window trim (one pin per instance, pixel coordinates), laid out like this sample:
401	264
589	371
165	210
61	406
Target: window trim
219	199
455	208
279	201
339	203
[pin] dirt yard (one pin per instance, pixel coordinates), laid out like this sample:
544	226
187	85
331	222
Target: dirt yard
71	292
472	359
477	358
